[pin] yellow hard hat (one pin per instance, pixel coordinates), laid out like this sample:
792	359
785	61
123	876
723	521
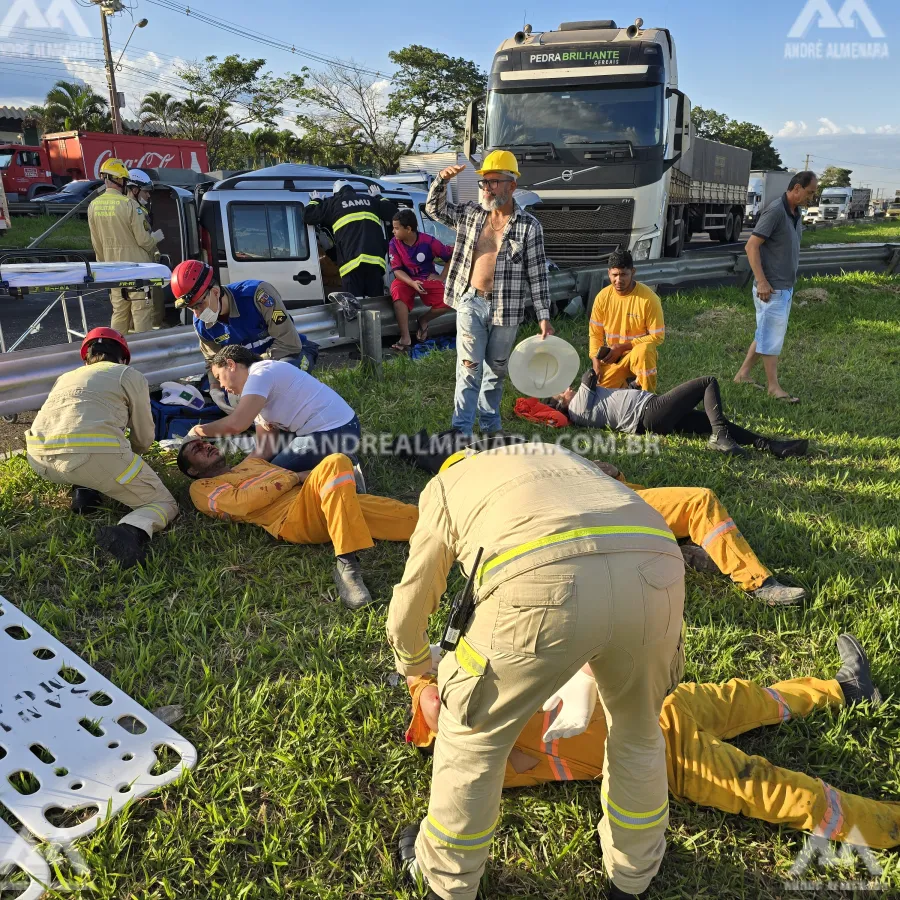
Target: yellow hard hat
454	458
499	161
114	167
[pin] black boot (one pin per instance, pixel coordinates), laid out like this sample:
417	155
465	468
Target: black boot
783	449
698	559
854	676
129	545
406	856
85	500
348	577
722	441
618	894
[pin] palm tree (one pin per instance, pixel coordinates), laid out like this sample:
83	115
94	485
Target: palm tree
75	107
286	147
160	109
193	119
263	142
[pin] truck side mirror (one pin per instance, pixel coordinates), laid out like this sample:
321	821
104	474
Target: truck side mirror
681	136
470	140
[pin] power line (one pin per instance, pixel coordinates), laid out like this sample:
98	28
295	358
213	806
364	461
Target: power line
849	163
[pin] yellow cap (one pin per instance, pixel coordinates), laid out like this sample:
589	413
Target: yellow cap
114	167
499	161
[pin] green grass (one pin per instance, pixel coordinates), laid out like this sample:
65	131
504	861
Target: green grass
303	778
71	235
885	231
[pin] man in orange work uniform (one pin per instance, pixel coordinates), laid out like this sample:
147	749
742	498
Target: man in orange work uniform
626	328
301	507
565	741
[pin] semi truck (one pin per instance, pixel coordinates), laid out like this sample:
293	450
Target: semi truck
764	187
28	172
602	134
843	203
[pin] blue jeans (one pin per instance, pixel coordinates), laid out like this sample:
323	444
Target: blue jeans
479	387
308	450
772	321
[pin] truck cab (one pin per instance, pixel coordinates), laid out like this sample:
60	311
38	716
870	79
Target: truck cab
834	203
252	226
25	172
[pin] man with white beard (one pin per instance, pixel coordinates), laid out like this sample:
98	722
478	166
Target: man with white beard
498	261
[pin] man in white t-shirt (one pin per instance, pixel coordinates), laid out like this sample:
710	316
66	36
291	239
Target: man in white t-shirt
299	421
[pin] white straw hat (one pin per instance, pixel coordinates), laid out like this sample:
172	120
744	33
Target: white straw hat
541	368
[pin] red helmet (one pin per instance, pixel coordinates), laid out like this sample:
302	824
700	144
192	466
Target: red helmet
190	280
109	334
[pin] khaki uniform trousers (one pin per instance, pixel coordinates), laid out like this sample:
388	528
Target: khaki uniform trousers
122	476
131	315
639	362
623	613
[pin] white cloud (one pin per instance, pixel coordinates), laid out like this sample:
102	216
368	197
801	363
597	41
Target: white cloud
856	129
887	129
791	129
828	127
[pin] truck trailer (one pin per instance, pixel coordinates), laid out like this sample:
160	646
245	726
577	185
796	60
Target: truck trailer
602	134
843	203
764	187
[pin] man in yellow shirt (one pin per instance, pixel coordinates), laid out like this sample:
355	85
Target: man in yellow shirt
625	329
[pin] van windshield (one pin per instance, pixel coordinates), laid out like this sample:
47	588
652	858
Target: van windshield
5	158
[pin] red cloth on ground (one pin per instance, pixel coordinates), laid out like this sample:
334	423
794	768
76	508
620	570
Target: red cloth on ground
533	410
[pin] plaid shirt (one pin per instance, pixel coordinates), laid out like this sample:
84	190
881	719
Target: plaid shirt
521	269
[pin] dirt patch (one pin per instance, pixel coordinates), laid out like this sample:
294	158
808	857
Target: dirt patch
811	295
12	435
711	318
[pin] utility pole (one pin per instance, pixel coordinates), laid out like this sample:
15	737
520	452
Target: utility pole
806	164
109	8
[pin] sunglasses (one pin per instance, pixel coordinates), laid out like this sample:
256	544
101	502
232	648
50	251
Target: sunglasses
493	183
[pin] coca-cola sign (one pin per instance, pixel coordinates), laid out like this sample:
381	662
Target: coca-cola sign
149	160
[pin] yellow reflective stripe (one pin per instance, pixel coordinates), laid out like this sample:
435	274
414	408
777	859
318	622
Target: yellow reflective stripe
53	441
355	217
159	511
128	475
418	657
469	658
461	841
575	534
336	482
636	821
362	258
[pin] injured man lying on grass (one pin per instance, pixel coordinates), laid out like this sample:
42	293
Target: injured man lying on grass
565	741
300	507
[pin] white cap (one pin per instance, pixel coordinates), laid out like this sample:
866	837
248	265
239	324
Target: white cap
541	368
176	394
139	177
339	185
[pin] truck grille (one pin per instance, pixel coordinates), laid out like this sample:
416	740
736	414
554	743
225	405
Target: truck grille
831	214
578	236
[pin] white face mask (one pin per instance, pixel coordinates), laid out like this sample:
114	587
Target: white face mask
209	316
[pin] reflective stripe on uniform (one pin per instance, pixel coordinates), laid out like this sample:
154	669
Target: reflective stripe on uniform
595	322
558	765
636	821
164	518
128	475
833	819
718	531
458	841
251	481
469	658
253	345
362	258
60	441
355	217
213	506
413	660
553	540
783	709
657	331
336	482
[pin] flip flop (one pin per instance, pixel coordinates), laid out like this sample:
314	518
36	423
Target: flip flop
400	348
785	398
421	333
755	384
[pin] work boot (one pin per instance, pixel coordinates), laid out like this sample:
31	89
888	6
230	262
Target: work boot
773	593
360	479
618	894
783	449
854	676
348	577
406	855
85	500
128	544
698	559
722	441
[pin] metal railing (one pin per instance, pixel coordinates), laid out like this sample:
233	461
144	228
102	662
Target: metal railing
26	376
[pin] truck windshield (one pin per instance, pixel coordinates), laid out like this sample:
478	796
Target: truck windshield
5	159
574	117
828	201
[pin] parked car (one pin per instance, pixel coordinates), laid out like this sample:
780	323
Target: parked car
73	192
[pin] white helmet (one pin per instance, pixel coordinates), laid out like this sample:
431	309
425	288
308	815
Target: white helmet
339	185
138	177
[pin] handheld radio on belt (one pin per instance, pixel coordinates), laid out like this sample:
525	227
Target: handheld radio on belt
461	610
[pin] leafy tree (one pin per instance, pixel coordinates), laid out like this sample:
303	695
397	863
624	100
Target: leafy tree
235	151
75	107
431	93
158	108
717	126
193	119
834	176
234	92
263	143
287	147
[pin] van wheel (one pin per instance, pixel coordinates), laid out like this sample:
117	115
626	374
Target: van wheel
11	420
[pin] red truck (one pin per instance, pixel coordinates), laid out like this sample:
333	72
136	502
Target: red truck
29	172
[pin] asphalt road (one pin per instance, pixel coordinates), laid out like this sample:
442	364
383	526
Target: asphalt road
704	246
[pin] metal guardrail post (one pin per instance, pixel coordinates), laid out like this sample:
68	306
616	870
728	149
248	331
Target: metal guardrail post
40	238
370	340
893	263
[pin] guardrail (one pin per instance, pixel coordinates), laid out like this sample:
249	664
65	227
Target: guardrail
36	208
26	376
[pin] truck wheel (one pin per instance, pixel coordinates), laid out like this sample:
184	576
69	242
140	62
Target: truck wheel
738	226
726	235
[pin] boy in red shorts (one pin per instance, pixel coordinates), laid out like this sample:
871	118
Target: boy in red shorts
412	257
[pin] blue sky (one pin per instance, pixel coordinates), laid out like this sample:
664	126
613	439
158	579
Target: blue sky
733	61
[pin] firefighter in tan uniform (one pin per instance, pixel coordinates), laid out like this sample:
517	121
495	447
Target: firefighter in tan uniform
118	235
78	438
576	569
